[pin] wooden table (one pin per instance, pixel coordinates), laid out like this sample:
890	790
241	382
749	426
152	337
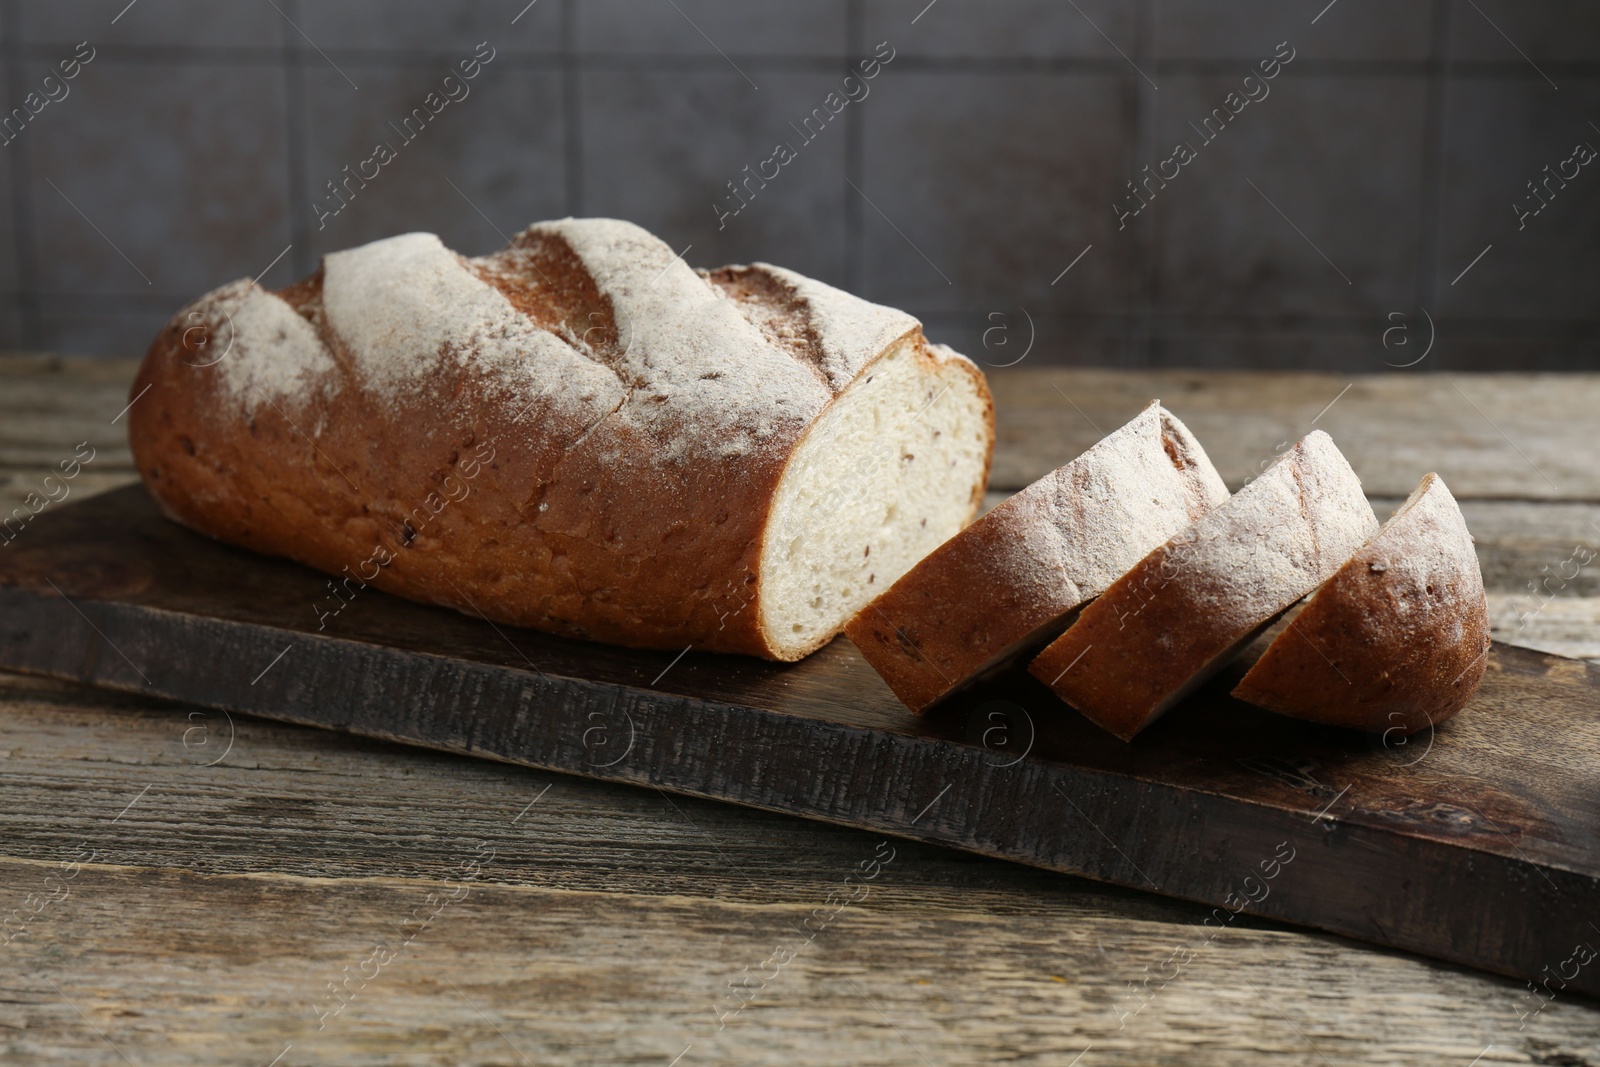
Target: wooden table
186	904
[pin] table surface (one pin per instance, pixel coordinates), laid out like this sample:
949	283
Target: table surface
184	889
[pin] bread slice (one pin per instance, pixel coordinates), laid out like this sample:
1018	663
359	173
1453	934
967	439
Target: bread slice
579	433
1191	605
1009	583
1397	640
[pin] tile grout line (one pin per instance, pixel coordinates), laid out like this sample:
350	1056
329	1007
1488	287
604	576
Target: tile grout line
572	70
1141	329
1431	203
297	141
1143	280
401	58
854	159
26	251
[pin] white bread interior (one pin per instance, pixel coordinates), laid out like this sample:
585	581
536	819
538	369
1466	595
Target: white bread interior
867	493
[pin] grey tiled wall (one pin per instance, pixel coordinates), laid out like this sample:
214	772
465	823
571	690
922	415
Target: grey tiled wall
986	158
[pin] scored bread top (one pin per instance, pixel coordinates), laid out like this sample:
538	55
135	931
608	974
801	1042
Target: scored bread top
827	329
639	414
1397	640
1186	608
587	313
258	343
1005	585
400	308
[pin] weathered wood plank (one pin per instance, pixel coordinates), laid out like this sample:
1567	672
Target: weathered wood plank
608	924
315	804
173	965
1488	855
512	975
1564	626
48	404
1505	435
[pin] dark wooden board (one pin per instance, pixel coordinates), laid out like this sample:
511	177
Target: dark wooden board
1477	844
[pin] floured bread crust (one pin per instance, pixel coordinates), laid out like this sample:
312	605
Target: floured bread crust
578	433
1191	605
1007	585
1397	640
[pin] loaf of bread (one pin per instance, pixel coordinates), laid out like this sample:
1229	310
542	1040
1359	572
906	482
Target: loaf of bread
1192	604
1397	640
1008	584
578	433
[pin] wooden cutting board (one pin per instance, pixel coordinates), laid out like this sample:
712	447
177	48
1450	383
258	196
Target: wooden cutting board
1478	844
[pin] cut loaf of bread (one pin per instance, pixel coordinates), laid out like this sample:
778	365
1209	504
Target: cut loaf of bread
1191	605
1397	640
1009	583
578	433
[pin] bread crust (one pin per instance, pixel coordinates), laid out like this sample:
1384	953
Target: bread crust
1188	607
1009	583
597	482
1397	640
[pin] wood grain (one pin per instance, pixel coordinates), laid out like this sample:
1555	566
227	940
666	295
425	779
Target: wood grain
609	923
1483	849
1514	436
973	959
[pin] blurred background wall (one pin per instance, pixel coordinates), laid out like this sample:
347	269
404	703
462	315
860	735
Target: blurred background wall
1379	182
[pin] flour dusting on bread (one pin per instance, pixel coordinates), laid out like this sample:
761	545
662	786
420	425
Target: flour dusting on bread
406	306
257	342
833	332
1007	584
694	366
1191	605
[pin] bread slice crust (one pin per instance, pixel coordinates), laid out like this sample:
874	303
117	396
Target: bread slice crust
1397	640
1008	584
1186	609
